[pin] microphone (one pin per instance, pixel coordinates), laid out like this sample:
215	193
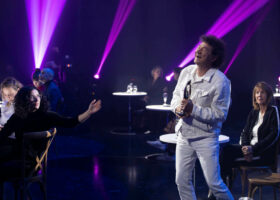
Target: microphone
187	94
187	90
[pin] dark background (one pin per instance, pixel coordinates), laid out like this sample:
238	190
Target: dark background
158	32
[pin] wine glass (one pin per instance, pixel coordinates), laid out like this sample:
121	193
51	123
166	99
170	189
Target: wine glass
129	88
165	96
134	89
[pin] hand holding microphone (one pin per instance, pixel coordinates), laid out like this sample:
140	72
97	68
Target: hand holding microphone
186	106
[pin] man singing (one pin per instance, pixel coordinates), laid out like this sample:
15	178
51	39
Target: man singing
201	117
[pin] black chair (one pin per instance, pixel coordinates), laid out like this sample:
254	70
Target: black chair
31	167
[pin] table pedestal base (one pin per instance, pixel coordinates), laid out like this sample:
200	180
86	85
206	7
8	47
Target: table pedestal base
160	157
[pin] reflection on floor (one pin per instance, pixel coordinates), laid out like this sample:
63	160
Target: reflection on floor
112	167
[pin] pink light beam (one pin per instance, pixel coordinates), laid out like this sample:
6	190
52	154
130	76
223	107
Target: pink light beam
124	9
233	22
235	14
248	34
42	17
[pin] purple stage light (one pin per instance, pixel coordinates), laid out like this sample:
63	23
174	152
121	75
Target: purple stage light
234	21
248	34
96	76
42	18
239	18
236	13
279	78
169	77
124	9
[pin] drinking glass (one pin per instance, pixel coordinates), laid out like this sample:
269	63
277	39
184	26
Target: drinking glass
165	96
134	89
129	88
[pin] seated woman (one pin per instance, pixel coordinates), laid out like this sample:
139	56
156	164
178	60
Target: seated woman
31	115
259	136
9	88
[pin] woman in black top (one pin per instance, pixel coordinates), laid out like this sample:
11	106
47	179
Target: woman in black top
155	87
259	136
31	115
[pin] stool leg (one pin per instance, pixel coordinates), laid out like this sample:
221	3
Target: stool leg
274	193
250	187
254	190
243	180
260	192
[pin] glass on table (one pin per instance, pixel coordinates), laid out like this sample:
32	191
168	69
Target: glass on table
165	96
129	88
134	88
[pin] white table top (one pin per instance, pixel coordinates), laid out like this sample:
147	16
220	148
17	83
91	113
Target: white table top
159	107
172	138
277	95
129	94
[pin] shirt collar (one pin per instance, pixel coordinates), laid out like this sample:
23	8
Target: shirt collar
207	76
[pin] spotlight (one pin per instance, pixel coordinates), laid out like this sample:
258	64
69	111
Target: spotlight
236	13
96	76
42	17
124	9
169	77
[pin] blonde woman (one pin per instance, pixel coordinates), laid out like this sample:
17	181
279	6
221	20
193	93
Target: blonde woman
9	88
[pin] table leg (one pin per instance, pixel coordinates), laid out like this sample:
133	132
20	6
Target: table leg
128	130
129	114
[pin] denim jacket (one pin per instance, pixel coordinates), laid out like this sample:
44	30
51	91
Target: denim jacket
210	95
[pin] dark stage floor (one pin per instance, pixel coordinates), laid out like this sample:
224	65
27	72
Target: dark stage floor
105	166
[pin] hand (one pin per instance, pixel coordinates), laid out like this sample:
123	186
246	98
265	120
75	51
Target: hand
247	150
185	107
94	106
188	108
1	127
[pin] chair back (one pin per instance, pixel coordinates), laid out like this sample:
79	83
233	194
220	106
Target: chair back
32	166
36	147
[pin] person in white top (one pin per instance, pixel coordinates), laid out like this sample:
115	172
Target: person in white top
201	117
9	88
258	138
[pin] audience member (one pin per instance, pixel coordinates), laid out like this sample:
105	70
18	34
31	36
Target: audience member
258	137
36	80
51	90
31	115
9	88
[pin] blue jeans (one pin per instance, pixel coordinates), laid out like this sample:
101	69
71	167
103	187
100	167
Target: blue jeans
207	151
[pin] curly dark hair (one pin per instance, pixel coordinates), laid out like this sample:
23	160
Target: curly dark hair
23	104
218	49
36	75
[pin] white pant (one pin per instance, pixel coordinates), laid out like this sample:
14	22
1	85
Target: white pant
207	151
